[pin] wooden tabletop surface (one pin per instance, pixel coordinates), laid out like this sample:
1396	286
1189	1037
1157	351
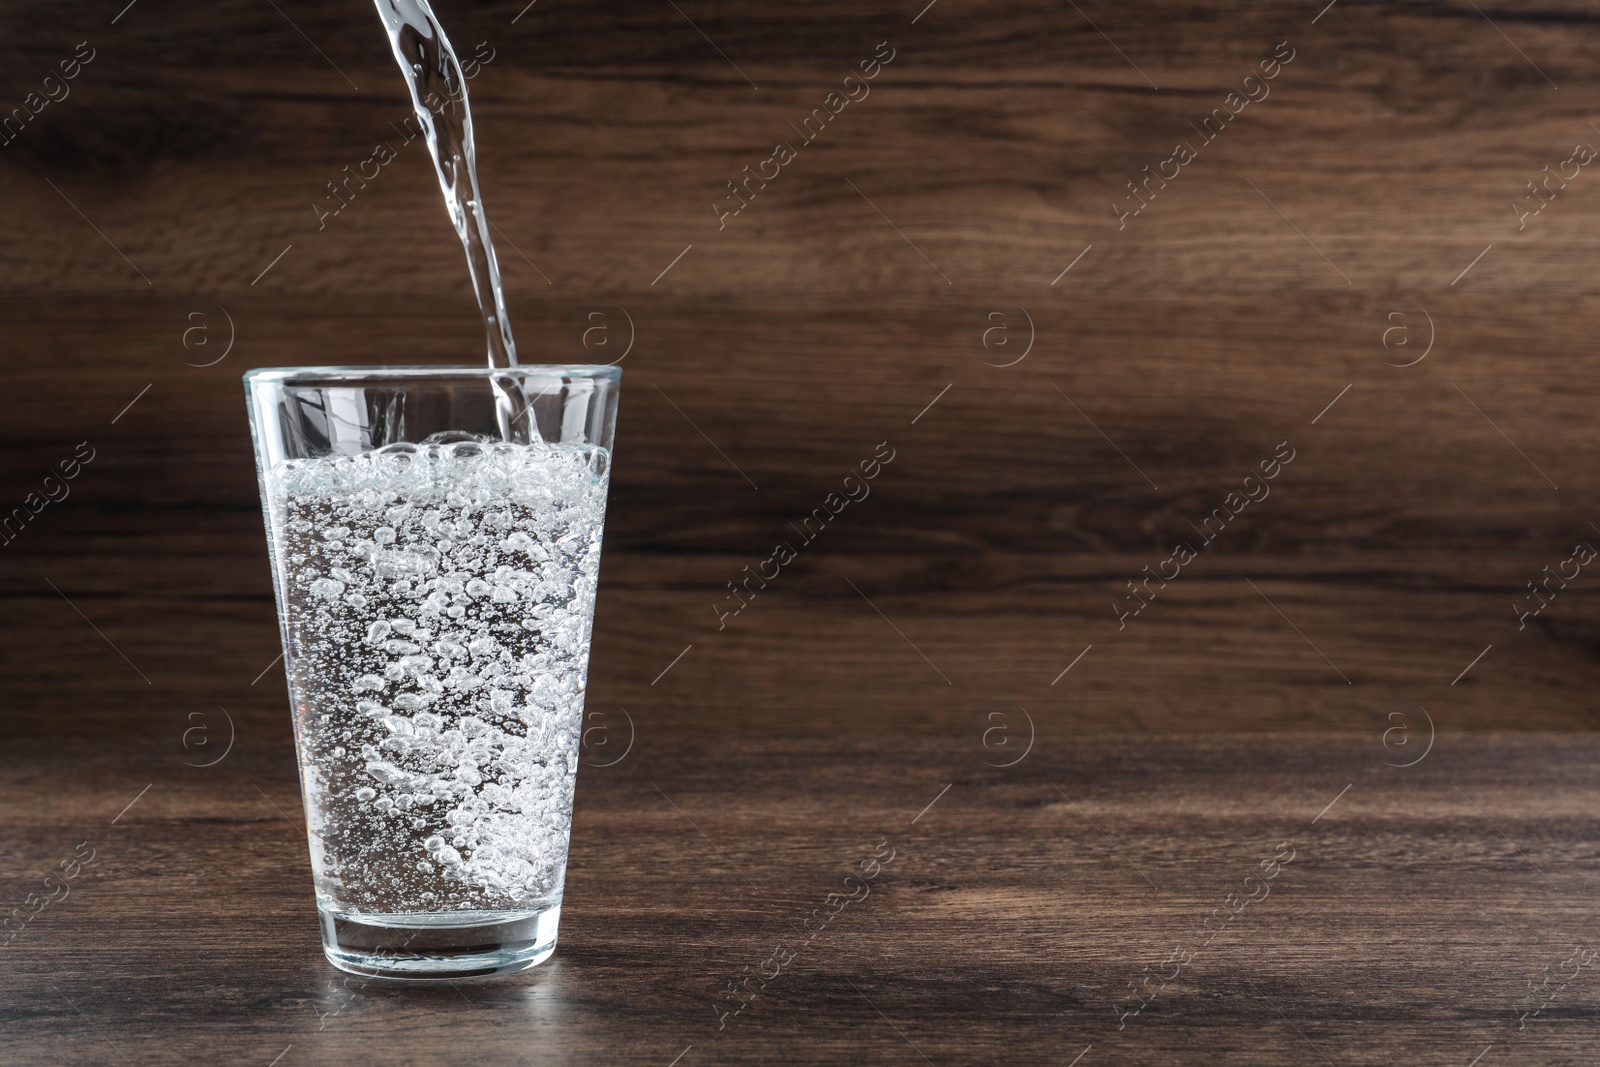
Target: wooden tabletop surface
1333	376
1277	899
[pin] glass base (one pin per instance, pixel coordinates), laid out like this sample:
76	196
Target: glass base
438	947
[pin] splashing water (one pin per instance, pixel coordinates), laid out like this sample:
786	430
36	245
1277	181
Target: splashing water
439	95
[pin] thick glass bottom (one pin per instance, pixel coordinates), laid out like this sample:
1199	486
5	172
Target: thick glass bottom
438	947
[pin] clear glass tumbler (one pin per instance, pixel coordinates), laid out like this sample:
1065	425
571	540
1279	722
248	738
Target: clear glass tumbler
435	589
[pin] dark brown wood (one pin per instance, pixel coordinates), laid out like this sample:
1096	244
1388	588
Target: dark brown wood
1019	906
1257	303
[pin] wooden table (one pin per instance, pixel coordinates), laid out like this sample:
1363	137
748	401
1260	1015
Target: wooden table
1350	273
1393	911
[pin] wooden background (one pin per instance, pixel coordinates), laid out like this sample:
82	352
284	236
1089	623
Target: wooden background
164	209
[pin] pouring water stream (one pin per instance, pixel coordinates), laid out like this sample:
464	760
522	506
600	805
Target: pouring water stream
439	95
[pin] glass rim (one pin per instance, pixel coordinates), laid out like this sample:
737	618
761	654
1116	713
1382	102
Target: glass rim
327	374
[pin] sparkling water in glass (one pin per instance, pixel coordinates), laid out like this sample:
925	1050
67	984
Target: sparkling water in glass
435	588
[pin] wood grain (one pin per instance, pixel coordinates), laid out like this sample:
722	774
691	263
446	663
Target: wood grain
1418	906
1261	298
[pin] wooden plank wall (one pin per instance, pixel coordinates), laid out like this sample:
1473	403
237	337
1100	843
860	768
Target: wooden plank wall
1280	271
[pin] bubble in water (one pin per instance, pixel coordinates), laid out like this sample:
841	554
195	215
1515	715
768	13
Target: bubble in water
453	682
386	773
327	588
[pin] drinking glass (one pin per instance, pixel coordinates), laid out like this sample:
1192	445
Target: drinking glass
435	588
